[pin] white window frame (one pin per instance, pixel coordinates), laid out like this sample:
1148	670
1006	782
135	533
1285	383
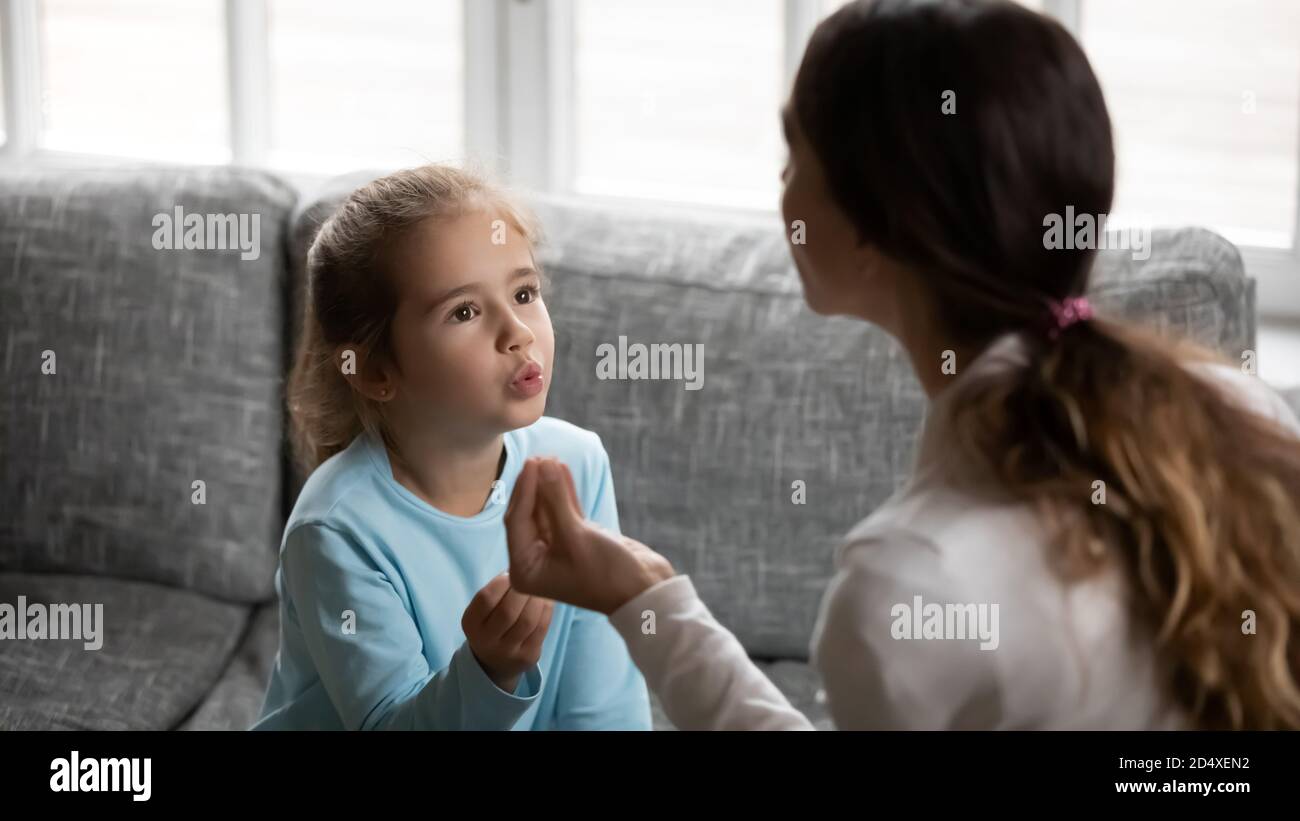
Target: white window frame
22	83
248	70
519	107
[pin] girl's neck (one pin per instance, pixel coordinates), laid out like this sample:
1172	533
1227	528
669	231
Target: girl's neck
454	476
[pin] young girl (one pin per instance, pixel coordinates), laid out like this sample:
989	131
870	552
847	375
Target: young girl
1130	506
416	397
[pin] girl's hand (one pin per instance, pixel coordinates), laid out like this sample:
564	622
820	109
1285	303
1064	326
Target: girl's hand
555	552
505	630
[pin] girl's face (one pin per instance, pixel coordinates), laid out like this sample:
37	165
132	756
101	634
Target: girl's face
470	320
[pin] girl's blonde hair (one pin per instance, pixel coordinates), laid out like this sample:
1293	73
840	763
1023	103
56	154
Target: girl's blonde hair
351	299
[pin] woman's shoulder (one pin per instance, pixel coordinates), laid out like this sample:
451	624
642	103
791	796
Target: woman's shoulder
1247	390
935	521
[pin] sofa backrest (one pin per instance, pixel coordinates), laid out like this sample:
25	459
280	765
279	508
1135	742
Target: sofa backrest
167	369
709	476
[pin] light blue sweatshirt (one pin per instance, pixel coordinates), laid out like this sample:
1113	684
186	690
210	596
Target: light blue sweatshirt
373	582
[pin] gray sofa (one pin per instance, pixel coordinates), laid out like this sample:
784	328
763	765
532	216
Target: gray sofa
170	367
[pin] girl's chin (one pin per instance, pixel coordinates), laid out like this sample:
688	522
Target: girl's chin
526	412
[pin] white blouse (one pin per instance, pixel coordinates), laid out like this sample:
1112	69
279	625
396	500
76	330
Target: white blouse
942	614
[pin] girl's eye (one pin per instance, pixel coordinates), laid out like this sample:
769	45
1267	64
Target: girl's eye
463	312
466	311
534	293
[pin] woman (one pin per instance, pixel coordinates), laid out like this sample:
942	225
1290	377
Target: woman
1125	507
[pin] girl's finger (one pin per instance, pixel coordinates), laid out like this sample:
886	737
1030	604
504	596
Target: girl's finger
523	626
505	614
486	599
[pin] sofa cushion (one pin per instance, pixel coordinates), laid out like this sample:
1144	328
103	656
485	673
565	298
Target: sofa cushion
236	699
168	371
161	651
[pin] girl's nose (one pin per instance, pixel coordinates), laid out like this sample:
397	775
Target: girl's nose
517	334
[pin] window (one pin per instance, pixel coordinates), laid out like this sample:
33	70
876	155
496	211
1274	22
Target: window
3	137
693	121
1205	102
134	78
365	84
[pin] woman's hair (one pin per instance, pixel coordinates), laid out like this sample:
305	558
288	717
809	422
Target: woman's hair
351	298
1201	498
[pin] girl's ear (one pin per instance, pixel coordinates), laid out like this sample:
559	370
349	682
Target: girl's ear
371	379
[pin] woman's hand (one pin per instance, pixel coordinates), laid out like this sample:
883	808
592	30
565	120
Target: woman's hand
505	630
555	552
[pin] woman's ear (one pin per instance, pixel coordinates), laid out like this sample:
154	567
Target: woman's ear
371	379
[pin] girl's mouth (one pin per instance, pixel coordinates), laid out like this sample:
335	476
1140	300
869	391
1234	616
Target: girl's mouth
528	382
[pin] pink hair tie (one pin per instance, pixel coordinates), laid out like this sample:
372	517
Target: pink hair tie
1065	313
